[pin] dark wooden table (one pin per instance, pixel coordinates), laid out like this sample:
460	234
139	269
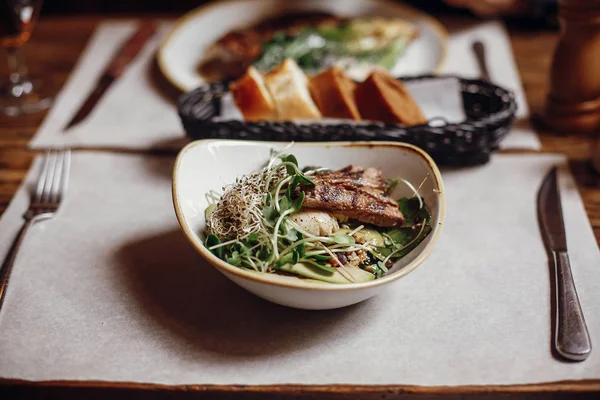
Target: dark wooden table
52	54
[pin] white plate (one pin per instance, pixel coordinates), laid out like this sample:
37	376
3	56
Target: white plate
210	164
184	47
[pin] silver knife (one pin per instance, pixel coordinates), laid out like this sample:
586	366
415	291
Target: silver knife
123	57
571	339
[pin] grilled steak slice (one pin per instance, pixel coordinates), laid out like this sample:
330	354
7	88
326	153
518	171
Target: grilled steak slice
356	193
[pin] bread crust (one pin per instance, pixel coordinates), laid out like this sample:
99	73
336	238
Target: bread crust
383	98
252	97
288	86
333	92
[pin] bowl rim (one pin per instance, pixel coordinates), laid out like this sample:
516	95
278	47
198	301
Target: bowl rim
300	284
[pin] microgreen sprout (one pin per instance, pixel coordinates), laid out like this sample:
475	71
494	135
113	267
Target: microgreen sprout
249	226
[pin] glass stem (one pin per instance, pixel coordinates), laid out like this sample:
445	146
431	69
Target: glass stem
17	71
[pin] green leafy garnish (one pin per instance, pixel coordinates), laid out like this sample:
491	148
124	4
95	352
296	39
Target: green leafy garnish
323	267
259	234
212	240
413	213
320	257
301	250
234	259
343	239
363	41
297	205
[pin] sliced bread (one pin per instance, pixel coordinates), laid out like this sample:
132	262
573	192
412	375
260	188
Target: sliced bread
252	97
288	86
333	92
383	98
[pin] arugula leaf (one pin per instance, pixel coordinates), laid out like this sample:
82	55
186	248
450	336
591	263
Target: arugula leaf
270	214
242	248
320	266
292	186
263	253
253	238
235	259
213	240
292	235
340	238
301	249
284	204
295	256
286	259
305	180
409	206
401	236
385	251
292	158
283	229
297	205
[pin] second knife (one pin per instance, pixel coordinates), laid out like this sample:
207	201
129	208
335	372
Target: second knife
115	69
572	339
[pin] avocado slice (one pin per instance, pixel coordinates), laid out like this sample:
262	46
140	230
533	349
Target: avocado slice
308	271
367	235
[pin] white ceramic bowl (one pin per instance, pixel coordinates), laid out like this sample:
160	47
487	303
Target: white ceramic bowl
210	164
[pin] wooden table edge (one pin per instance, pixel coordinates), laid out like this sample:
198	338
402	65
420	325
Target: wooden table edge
571	386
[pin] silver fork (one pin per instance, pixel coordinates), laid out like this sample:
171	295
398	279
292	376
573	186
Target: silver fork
50	190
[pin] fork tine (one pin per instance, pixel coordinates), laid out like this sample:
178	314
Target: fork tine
56	180
42	178
49	178
64	182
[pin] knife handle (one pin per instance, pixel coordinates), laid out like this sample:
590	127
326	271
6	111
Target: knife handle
131	48
479	50
572	339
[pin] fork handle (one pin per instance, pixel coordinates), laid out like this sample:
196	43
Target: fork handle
572	339
10	259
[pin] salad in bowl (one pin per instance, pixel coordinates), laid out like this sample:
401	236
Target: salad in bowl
311	225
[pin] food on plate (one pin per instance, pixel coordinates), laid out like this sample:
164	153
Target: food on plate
333	92
332	226
382	98
252	97
315	40
356	193
286	94
289	87
233	53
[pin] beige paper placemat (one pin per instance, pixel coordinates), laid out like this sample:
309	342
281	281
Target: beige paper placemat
503	71
133	114
110	290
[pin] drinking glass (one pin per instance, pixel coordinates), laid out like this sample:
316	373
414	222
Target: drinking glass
18	93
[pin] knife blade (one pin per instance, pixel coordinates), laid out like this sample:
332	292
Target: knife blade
123	57
571	339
